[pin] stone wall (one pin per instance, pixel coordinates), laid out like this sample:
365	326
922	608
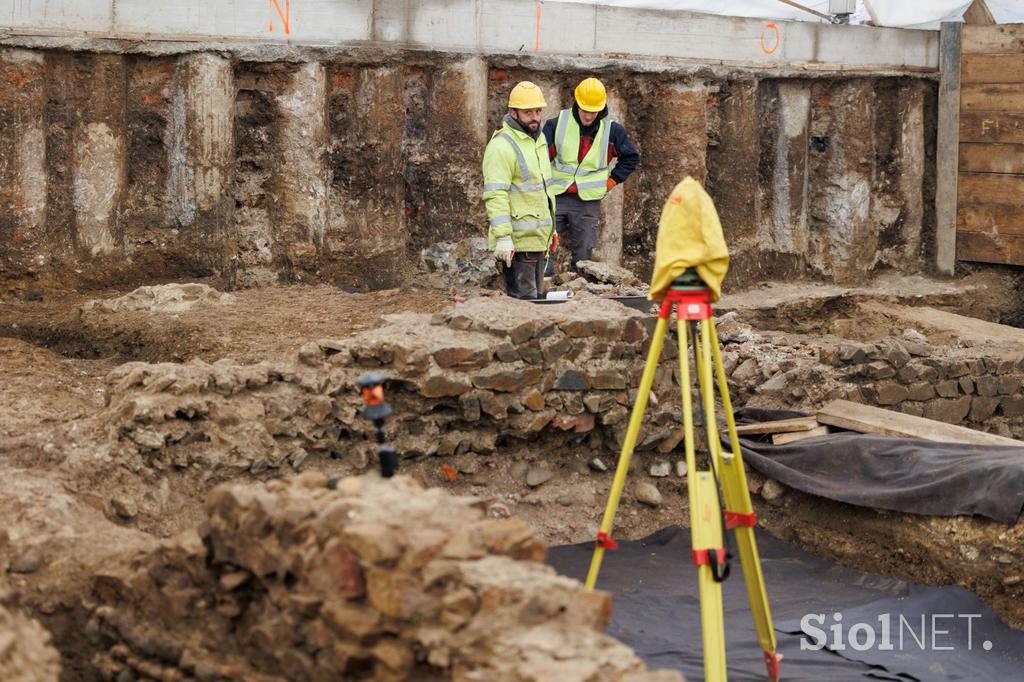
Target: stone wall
479	377
962	389
342	165
26	650
963	386
373	579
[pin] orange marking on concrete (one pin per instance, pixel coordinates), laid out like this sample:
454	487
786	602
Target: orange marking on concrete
536	40
284	15
778	38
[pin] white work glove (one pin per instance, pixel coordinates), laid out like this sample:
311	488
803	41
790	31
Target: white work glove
503	250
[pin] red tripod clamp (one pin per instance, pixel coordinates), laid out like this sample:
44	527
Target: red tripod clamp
605	541
771	661
690	304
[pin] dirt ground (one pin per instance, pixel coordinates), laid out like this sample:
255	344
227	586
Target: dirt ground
66	516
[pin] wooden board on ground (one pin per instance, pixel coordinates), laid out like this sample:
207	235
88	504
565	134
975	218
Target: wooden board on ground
866	419
783	438
779	426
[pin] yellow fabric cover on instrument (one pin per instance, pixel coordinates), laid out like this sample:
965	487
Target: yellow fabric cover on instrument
689	236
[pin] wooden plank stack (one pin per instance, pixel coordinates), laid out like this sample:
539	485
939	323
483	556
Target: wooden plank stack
990	188
850	416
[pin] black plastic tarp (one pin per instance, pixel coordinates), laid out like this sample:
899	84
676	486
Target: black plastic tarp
656	611
898	474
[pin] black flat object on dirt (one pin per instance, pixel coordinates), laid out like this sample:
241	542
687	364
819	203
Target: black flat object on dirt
635	302
897	474
656	610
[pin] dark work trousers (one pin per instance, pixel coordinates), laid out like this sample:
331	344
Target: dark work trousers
525	279
577	223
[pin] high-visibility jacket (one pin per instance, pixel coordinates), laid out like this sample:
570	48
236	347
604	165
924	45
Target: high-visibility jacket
518	194
591	174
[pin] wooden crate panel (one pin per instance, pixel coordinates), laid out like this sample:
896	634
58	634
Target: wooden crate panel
990	188
989	248
992	68
991	158
992	127
992	97
992	39
989	218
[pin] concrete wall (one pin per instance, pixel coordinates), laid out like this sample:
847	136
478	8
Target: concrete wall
482	27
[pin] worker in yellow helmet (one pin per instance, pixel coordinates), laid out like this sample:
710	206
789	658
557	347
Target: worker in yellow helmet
518	194
582	142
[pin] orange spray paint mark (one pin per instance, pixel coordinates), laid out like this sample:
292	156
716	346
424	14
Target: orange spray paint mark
284	15
775	43
536	40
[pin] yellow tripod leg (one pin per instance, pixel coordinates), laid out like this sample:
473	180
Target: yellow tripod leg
632	431
708	531
705	522
737	501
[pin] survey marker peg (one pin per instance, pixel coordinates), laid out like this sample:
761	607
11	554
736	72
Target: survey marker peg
377	410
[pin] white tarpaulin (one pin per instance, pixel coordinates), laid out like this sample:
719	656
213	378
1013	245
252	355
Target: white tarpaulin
924	14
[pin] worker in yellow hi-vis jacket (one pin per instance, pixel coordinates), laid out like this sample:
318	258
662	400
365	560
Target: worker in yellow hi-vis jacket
519	196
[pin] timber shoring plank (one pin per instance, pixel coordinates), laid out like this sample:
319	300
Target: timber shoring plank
983	247
947	147
992	68
1002	97
990	219
779	426
867	419
993	39
988	126
990	188
783	438
991	158
978	13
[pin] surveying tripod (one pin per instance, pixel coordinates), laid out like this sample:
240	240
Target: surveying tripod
692	303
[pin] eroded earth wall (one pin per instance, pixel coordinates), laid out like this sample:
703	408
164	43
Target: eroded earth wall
334	165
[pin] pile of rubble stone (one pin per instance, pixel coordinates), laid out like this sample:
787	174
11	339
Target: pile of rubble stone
601	279
474	377
366	579
26	653
469	264
163	298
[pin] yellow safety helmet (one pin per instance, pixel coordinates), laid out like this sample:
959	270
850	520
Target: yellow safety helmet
526	95
591	95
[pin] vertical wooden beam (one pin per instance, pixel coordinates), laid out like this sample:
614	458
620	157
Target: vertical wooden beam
946	148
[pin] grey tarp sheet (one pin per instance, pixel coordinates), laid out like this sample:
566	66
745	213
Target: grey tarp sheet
898	474
655	610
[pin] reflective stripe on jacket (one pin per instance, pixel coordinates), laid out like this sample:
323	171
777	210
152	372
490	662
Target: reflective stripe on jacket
517	192
589	175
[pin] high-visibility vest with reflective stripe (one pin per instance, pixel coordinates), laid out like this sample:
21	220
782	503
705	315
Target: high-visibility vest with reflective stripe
517	190
591	174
